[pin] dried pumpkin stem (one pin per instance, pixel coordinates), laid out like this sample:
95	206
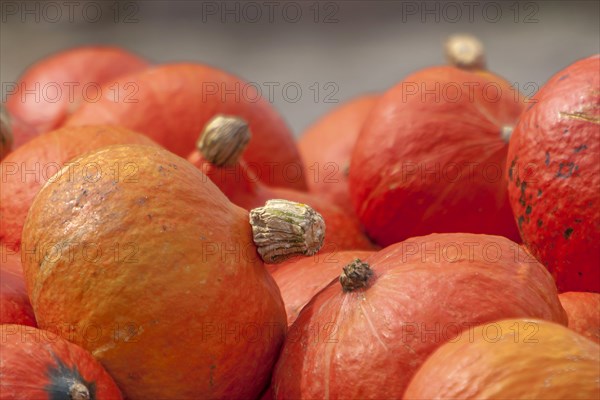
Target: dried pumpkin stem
506	132
356	275
6	138
283	229
465	52
223	140
78	391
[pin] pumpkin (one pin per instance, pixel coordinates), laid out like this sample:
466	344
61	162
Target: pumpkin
365	335
511	359
167	269
218	156
15	307
301	278
326	147
38	365
27	168
554	177
55	86
431	154
177	100
582	311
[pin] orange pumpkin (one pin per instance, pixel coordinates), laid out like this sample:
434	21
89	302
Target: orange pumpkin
511	359
365	335
326	147
583	312
167	269
30	166
219	157
174	103
55	86
39	365
15	307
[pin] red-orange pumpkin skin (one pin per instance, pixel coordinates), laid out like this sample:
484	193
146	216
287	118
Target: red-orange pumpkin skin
430	157
300	278
39	365
326	147
368	343
177	100
554	176
583	311
184	304
29	167
242	187
54	87
511	359
15	307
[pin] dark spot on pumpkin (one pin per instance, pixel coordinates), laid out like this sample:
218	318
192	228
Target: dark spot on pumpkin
562	78
520	222
540	223
565	131
528	209
568	232
580	148
62	377
141	200
539	193
174	166
547	160
522	197
164	228
149	216
579	273
212	373
578	220
565	170
518	182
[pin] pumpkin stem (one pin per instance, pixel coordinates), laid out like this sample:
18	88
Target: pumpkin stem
465	52
223	140
283	229
6	137
356	275
506	132
79	391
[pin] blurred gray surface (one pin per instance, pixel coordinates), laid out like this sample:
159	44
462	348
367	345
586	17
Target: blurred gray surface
353	47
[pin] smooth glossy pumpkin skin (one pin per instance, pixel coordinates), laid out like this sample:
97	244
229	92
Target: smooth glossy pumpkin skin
512	359
430	157
326	147
554	176
186	275
30	166
58	95
583	311
177	100
39	365
15	307
242	187
301	278
368	343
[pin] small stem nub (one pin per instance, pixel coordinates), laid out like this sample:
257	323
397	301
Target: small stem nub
78	391
465	52
506	132
283	229
356	275
6	138
223	140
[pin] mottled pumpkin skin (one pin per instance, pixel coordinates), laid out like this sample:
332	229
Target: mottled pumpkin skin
30	166
242	187
583	311
554	176
87	65
326	147
39	365
300	278
433	162
168	301
15	307
512	359
368	343
177	100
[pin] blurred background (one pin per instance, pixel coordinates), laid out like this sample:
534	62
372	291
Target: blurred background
309	56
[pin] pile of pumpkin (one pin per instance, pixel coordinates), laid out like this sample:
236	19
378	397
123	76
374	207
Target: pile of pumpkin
438	240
